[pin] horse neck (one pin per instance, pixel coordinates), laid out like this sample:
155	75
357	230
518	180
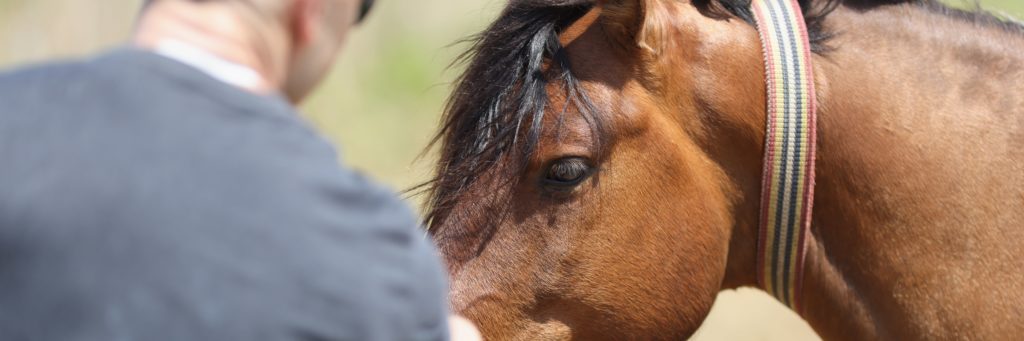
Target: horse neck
907	97
920	121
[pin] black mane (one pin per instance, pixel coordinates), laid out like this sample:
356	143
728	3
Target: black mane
815	12
510	64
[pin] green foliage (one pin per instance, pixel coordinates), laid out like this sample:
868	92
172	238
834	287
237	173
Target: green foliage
1004	8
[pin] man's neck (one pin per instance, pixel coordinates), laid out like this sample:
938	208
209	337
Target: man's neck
215	30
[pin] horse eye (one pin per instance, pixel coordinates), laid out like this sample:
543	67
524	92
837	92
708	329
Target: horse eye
567	172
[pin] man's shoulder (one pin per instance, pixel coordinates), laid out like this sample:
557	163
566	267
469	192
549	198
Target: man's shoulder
187	137
80	83
97	122
62	72
141	77
135	96
31	78
325	187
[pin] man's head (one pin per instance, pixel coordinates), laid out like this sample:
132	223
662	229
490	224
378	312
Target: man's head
292	43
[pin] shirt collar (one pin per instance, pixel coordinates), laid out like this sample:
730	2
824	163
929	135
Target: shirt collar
226	71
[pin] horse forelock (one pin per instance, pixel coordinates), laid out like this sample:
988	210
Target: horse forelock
495	113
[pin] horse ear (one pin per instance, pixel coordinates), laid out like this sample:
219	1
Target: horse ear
632	23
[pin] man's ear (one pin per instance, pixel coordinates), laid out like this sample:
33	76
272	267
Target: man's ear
303	20
633	23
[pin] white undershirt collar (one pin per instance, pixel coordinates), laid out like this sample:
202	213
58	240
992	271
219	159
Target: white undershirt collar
226	71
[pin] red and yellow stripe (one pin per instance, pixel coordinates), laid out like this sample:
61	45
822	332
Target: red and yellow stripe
788	176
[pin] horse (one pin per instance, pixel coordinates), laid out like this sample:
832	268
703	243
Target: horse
600	167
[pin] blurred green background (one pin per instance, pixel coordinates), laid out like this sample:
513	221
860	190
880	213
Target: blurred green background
381	103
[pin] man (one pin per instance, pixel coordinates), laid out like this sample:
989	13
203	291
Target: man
169	191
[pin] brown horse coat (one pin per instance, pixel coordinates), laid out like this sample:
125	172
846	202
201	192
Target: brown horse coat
659	105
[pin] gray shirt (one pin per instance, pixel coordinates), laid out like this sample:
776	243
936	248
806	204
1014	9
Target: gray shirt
141	199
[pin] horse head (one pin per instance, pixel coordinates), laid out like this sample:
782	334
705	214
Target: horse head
597	160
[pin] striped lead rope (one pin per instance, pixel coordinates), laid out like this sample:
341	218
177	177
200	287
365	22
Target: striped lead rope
787	188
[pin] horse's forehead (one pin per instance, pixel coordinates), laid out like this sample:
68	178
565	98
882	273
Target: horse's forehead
566	132
620	112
